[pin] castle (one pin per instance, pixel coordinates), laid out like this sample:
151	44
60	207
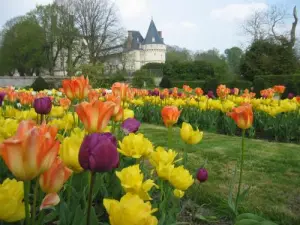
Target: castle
137	51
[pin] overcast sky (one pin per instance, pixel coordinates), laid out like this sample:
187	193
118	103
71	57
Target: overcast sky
193	24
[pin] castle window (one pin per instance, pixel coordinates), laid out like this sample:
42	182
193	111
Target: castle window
137	39
153	39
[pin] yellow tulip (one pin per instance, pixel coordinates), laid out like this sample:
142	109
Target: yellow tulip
178	193
128	113
132	181
26	115
8	128
135	146
189	135
130	210
57	111
69	150
160	155
164	170
11	201
181	178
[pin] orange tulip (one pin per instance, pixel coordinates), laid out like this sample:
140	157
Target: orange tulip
236	91
26	98
95	116
76	87
65	103
49	201
298	99
198	91
242	116
170	115
11	95
222	91
187	88
279	89
119	116
117	101
120	89
31	151
267	93
52	180
93	95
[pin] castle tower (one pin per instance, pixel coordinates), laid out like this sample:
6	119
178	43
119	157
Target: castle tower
153	46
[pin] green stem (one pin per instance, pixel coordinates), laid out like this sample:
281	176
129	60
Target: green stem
36	188
69	190
42	118
26	201
185	155
90	200
169	137
241	172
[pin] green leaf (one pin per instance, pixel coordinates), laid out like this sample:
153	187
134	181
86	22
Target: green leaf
94	218
230	196
247	222
50	217
79	216
249	216
244	194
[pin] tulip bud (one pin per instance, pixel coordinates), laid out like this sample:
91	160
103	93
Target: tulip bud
291	95
202	175
98	152
2	95
42	105
130	125
210	94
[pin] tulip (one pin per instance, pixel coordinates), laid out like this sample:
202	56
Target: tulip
65	103
128	113
181	178
170	115
210	94
95	116
198	91
11	200
117	101
242	116
121	90
76	87
279	89
130	125
31	151
291	96
43	105
131	209
98	152
202	175
93	95
222	91
52	180
132	181
49	201
135	146
2	96
178	193
69	150
189	135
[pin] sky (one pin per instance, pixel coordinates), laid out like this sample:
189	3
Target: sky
192	24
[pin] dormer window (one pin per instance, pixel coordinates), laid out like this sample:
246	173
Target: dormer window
153	39
137	39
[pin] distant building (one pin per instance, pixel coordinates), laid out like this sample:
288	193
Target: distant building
137	51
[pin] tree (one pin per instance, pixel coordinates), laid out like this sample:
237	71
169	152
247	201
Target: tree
23	48
175	53
218	61
263	25
268	57
99	24
233	58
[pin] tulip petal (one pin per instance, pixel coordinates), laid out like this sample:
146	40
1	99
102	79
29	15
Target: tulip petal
49	201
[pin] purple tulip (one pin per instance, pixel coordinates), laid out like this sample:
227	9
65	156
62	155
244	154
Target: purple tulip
210	94
170	92
202	175
232	91
130	125
42	105
98	152
291	95
155	93
179	94
161	96
2	96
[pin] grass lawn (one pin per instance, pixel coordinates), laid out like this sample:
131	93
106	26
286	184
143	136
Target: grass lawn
272	170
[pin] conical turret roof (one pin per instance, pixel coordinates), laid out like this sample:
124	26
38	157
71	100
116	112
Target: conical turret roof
152	36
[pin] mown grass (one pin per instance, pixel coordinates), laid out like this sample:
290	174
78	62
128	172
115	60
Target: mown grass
272	170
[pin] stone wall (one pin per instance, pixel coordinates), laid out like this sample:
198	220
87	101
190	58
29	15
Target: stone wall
53	81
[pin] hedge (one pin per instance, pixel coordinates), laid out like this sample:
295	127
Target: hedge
192	84
292	82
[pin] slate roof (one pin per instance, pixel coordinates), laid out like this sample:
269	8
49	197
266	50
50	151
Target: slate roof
153	33
137	39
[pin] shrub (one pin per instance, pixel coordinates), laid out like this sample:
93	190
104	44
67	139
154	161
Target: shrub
39	84
165	82
211	84
258	84
192	84
241	84
142	78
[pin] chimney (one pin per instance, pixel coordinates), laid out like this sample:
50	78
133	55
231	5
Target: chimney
160	34
129	39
